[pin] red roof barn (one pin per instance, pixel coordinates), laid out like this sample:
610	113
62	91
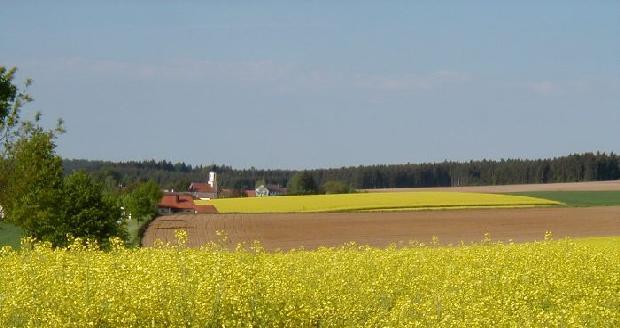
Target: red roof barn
178	202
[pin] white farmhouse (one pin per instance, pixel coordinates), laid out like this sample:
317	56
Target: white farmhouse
262	191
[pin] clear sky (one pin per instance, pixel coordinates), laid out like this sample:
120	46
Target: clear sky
292	84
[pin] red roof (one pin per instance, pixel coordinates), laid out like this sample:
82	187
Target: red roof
178	201
184	202
200	187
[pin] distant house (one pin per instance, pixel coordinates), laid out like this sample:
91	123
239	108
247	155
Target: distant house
261	191
176	203
270	190
182	203
276	190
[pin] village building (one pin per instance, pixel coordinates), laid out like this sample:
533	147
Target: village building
269	190
202	190
176	203
183	202
262	191
276	190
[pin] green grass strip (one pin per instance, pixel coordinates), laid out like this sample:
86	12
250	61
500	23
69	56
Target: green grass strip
10	235
577	198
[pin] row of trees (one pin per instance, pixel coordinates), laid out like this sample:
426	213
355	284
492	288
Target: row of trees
36	195
571	168
304	183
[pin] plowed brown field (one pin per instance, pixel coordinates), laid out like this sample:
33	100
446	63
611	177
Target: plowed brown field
312	230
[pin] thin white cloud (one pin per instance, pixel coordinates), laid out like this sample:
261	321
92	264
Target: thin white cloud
543	87
413	82
285	25
247	71
282	77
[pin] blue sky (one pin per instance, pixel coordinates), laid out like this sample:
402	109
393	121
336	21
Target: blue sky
320	84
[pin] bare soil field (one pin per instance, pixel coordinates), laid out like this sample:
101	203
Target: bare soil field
312	230
569	186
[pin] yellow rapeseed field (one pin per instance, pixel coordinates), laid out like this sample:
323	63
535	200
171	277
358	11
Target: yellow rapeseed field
372	202
544	284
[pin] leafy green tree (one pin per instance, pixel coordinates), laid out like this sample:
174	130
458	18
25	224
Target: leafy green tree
260	182
143	200
335	187
302	183
10	105
48	207
179	184
33	192
30	172
11	102
85	210
34	179
31	139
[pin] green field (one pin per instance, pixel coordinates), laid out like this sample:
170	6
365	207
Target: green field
371	202
577	198
133	232
10	235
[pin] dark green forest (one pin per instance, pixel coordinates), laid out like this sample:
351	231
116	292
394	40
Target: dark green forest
177	176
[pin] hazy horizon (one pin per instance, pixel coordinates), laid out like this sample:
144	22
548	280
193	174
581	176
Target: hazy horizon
281	85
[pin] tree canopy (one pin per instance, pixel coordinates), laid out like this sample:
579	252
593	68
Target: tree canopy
302	183
34	194
569	168
86	211
335	187
142	201
34	179
10	104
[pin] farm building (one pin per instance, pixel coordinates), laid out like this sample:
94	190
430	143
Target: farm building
276	190
205	190
269	190
262	191
182	203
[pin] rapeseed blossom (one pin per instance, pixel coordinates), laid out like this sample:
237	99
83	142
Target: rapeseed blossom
549	283
388	201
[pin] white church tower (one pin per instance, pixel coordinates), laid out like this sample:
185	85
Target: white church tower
213	180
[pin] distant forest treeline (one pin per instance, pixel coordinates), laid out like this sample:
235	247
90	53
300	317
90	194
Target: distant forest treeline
177	176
